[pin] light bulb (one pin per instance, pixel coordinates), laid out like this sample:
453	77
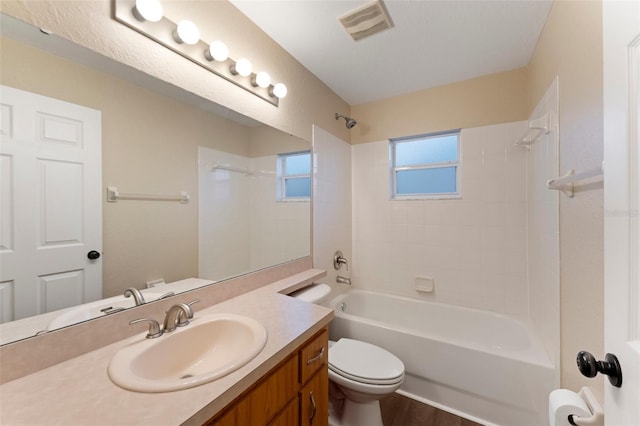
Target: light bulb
279	91
262	79
187	32
148	10
218	51
242	67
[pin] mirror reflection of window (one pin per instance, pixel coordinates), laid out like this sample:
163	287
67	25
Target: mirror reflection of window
294	176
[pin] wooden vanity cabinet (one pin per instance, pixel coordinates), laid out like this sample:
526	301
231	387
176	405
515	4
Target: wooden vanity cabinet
296	392
314	401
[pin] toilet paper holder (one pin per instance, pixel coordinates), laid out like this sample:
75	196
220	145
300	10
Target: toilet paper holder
597	413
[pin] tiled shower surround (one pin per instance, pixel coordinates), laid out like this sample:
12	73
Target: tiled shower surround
242	225
475	247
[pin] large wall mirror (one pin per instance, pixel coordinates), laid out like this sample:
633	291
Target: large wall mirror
248	186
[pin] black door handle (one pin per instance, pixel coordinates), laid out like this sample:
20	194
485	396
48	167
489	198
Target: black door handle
589	367
93	255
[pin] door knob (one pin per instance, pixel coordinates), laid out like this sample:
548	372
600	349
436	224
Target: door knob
93	255
590	367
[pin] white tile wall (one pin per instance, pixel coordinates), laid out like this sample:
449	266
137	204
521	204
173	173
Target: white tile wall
279	230
474	247
543	237
242	225
223	216
495	249
331	204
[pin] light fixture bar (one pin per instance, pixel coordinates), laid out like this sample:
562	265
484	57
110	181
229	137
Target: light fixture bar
163	32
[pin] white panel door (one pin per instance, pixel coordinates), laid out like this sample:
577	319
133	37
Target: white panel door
50	204
621	42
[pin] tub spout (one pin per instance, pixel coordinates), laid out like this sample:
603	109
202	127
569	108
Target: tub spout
343	280
137	295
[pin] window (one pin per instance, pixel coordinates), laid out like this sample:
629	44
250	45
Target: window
294	176
425	166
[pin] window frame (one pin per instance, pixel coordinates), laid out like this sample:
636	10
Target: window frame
457	164
282	177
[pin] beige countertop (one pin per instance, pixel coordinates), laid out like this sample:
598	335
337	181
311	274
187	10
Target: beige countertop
79	392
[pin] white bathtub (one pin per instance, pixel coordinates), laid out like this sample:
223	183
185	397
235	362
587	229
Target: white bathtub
480	365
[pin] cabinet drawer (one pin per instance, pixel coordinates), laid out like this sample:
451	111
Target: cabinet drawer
314	401
270	395
314	355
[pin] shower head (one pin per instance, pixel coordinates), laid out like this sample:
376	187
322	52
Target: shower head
349	122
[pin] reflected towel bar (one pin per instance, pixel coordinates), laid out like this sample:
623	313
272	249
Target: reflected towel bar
566	183
114	195
229	168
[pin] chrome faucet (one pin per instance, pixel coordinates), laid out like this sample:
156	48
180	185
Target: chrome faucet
154	327
174	319
137	296
343	280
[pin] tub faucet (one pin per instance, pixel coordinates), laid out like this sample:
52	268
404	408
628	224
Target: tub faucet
343	280
137	296
173	315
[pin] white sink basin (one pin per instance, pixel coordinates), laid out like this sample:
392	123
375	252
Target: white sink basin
211	347
95	310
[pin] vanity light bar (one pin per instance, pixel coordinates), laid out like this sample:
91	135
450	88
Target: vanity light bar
184	39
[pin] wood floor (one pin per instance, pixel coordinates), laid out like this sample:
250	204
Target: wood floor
398	410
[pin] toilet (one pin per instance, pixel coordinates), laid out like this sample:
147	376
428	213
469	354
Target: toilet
361	373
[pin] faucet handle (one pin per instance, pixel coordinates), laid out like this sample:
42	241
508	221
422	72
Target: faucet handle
193	301
154	327
182	320
339	260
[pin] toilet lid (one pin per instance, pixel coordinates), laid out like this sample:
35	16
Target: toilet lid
364	362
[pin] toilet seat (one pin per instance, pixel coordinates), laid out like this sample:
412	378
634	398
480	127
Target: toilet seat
365	363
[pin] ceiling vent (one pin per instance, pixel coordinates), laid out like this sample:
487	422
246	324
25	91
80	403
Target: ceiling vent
366	20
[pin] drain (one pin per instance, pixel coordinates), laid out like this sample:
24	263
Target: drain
186	376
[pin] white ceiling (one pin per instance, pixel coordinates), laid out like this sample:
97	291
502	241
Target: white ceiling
431	44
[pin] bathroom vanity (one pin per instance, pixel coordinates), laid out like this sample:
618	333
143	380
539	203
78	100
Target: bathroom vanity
294	392
285	384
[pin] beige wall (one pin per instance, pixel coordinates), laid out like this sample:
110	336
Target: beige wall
266	140
149	145
90	24
492	99
571	47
